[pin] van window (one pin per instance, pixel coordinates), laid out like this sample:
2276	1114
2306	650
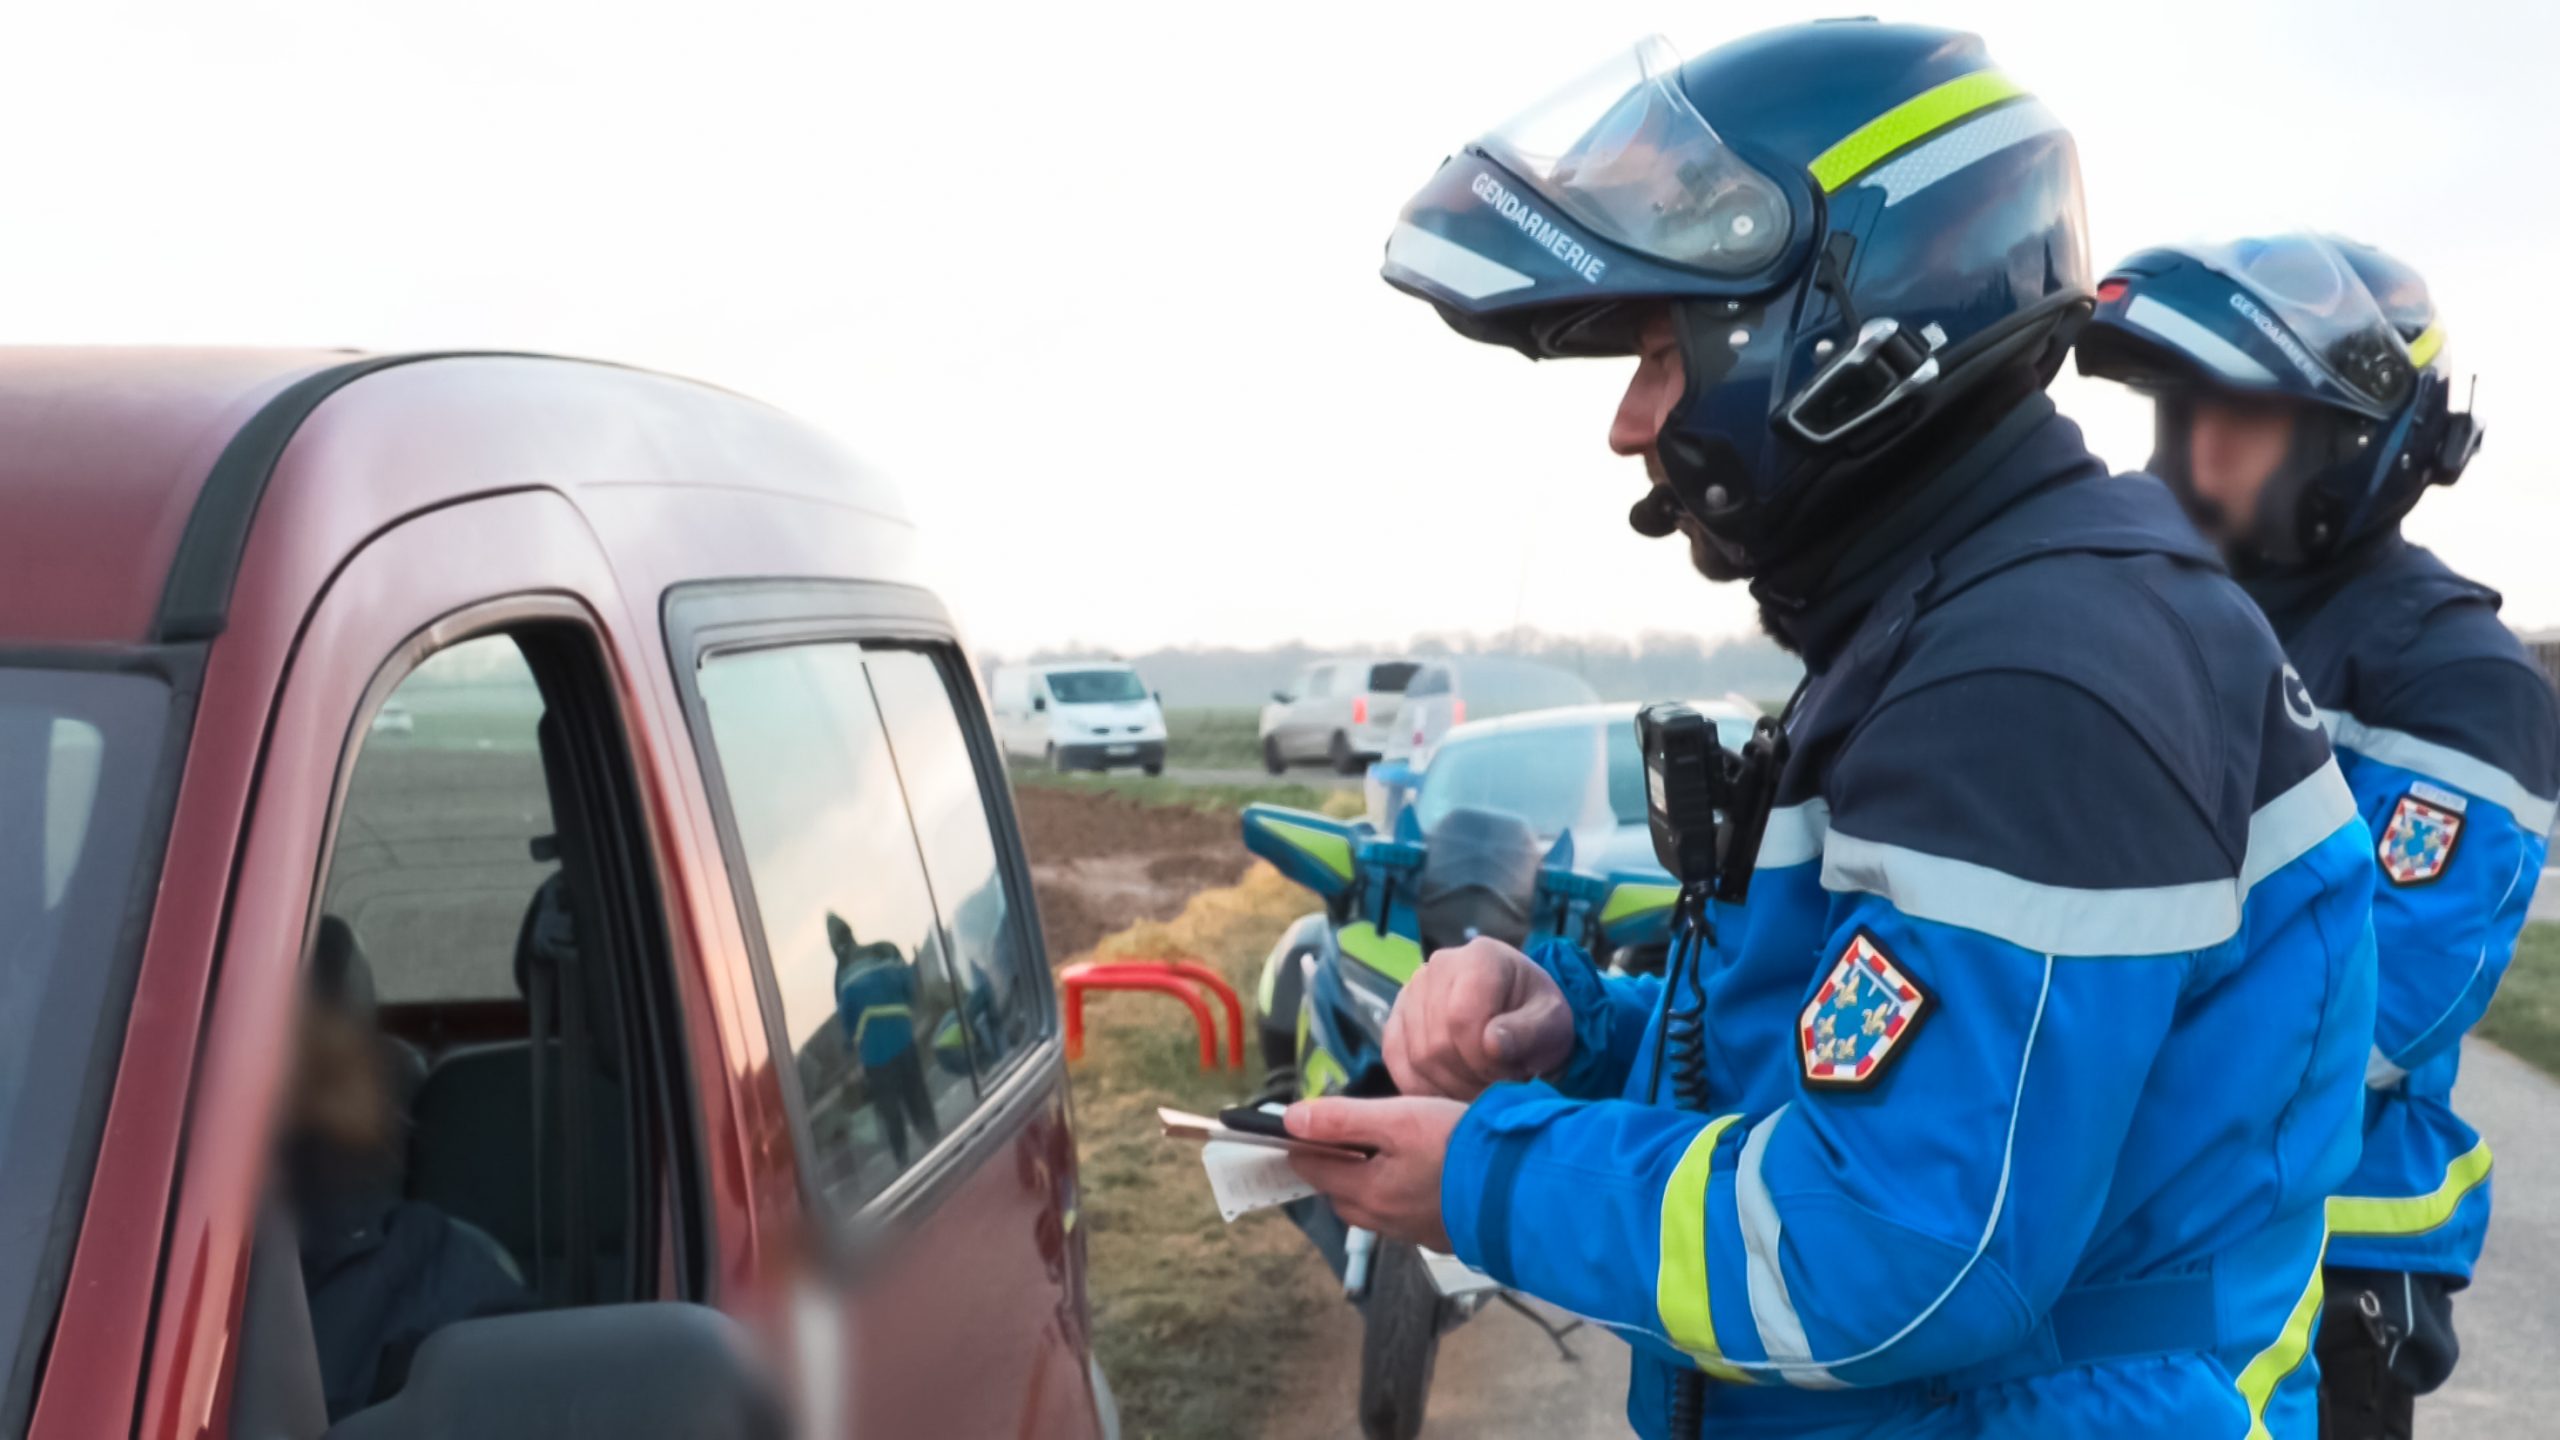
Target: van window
79	754
1430	680
1392	677
1096	687
850	931
437	842
480	1118
1000	984
1319	683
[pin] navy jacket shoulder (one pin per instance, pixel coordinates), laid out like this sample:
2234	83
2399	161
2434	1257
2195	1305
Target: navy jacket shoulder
2081	698
2408	645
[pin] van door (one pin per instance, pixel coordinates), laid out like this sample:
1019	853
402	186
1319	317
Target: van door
886	904
433	841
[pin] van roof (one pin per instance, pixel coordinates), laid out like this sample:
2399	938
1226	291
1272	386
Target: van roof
135	479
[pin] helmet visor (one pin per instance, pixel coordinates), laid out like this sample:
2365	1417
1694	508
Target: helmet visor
2305	298
1624	152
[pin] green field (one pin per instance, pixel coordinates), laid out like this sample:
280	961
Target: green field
1223	738
2525	1018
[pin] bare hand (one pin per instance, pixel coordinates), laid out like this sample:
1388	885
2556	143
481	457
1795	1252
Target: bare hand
1478	1014
1397	1191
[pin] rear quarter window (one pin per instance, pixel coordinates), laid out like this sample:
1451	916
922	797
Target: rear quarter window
1390	679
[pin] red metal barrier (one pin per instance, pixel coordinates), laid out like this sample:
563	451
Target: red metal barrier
1163	977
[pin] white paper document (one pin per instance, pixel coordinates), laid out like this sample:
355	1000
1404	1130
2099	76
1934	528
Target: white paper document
1246	1178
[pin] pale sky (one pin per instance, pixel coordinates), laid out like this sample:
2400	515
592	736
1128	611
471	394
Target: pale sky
1098	283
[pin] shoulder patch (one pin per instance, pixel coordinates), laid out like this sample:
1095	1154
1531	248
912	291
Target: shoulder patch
1860	1019
2418	842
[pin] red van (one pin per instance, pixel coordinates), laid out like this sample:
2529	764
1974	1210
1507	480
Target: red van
584	748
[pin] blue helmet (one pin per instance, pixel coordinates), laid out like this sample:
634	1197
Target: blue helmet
1856	226
2340	330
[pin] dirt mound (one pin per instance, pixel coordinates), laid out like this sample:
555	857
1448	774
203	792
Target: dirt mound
1102	862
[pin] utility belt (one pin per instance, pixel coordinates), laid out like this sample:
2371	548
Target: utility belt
2122	1320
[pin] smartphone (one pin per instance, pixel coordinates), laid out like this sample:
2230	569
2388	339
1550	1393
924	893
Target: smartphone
1245	1125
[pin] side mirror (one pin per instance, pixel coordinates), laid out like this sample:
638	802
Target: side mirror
629	1372
1282	696
1159	699
1039	702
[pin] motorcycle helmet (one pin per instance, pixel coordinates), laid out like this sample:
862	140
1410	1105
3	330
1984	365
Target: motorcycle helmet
1854	225
2340	331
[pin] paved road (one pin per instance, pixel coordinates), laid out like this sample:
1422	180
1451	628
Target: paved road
2546	897
2509	1380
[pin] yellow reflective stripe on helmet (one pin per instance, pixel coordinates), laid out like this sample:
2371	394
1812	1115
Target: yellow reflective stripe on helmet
2423	350
2268	1368
2414	1214
1923	114
1390	955
1629	900
1680	1284
1331	851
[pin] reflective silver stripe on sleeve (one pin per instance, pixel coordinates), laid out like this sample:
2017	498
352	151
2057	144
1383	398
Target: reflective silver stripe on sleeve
1772	1310
1916	170
2444	765
1794	835
2071	920
1450	265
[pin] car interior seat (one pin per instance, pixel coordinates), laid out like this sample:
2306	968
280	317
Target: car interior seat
471	1149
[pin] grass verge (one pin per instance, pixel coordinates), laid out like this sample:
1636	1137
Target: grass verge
1193	1317
2525	1018
1212	799
1227	737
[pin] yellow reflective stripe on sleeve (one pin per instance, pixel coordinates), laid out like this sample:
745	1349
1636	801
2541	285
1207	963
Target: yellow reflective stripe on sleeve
2414	1214
1270	982
1680	1284
1390	955
1629	900
1333	852
2268	1368
863	1021
1923	114
2423	350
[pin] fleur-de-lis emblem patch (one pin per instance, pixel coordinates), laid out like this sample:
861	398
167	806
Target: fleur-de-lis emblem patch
1860	1018
2418	841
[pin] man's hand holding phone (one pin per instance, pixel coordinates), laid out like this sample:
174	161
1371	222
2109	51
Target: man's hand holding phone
1396	1191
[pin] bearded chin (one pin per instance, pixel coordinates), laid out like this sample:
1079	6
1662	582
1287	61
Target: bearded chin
1710	558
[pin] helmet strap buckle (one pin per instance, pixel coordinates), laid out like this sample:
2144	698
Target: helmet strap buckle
1882	367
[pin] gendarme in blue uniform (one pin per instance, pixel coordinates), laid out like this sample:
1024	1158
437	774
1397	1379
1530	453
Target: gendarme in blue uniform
2040	1042
2447	734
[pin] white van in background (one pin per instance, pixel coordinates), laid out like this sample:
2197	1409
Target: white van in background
1078	715
1338	711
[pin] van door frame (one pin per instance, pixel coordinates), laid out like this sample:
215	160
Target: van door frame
705	619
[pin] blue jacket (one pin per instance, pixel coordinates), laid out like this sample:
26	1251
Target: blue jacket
876	1004
2040	1041
2450	737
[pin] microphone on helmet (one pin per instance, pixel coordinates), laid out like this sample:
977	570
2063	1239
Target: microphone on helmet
1656	515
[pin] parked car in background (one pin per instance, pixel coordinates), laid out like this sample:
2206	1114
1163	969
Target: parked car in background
1079	715
1338	711
1572	770
1452	691
581	942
